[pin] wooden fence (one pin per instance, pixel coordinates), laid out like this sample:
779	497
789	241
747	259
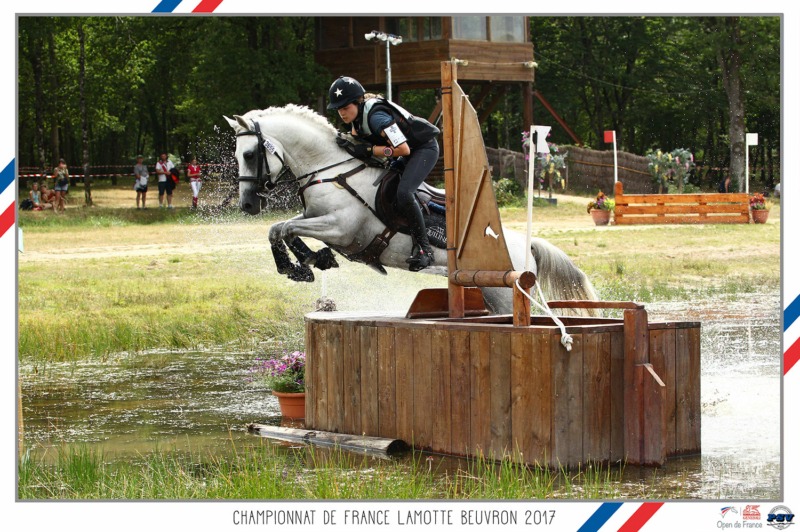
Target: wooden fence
680	208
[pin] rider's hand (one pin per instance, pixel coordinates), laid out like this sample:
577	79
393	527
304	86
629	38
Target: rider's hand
359	151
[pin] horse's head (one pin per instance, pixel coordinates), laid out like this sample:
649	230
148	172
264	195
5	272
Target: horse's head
255	155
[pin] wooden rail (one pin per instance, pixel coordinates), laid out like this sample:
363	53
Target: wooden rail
680	208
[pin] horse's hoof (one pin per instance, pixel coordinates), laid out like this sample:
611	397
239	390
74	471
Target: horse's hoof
325	260
302	274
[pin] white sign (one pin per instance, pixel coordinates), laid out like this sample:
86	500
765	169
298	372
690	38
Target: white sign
751	139
541	139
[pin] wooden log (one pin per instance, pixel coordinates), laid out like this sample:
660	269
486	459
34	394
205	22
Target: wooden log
521	307
365	444
493	278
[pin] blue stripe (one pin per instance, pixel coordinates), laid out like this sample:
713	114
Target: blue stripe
791	313
7	176
600	516
166	6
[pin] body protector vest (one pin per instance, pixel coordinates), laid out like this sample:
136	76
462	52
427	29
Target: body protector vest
416	130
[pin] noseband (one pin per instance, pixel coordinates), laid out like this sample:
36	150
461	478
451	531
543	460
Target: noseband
263	182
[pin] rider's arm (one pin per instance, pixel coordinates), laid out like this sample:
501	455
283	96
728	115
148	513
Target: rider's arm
395	140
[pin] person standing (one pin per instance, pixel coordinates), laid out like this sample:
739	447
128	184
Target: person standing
193	171
164	172
61	177
390	131
140	186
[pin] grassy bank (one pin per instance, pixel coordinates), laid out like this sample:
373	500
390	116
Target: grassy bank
269	471
111	278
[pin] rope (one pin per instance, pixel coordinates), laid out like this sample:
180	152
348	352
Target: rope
566	339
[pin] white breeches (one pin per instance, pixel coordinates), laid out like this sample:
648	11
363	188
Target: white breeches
196	186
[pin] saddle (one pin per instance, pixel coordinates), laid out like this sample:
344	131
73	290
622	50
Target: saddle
430	199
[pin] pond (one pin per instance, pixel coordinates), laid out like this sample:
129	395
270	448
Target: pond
131	405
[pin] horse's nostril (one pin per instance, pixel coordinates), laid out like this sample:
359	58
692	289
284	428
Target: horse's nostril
248	206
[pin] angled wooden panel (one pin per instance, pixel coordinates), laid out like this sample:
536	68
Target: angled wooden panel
387	405
500	397
460	392
567	401
352	378
440	387
597	416
368	337
311	366
423	420
480	392
335	377
404	385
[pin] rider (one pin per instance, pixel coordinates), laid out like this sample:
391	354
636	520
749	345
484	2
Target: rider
391	131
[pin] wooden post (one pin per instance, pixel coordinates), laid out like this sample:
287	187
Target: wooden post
636	354
455	292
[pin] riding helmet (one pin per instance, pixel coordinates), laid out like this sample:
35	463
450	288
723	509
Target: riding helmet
343	91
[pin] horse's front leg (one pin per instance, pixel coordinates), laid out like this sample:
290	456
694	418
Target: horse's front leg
322	259
294	271
289	232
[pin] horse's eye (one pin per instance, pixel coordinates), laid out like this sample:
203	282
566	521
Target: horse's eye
248	155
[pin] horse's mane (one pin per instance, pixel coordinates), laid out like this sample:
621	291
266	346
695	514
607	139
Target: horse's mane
292	110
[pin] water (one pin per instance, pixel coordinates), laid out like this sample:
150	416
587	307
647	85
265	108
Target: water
130	405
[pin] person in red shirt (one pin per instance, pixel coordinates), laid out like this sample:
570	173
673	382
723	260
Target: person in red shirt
193	171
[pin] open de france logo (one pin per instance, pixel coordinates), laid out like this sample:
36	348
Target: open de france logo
780	517
729	509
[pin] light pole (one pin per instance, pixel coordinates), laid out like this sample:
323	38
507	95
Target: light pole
388	38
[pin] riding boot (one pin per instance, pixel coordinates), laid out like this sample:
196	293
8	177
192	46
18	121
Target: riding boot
422	253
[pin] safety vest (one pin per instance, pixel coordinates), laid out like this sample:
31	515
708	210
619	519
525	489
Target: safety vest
416	130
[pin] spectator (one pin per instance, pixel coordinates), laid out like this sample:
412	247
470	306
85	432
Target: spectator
165	184
37	200
48	196
61	176
140	186
193	171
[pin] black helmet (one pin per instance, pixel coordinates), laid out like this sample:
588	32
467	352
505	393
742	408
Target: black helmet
344	91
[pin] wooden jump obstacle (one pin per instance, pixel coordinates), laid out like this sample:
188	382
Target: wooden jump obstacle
447	378
732	208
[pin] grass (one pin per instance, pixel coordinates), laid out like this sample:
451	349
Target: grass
271	471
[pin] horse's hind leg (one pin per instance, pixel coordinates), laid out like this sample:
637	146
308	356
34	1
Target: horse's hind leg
322	259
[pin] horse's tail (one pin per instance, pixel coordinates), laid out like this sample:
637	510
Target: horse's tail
559	277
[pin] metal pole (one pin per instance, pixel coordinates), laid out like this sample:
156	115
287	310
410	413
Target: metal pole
746	168
388	72
531	168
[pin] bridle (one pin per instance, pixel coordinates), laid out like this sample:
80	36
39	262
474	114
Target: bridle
264	181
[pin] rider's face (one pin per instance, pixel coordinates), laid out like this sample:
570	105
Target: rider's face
348	113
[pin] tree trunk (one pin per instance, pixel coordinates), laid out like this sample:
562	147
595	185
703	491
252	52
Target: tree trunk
730	63
35	46
55	144
87	179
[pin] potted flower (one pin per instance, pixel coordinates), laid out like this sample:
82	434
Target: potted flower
601	208
285	376
759	208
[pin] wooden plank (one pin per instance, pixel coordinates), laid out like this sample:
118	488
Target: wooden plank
460	392
636	352
597	384
500	396
655	420
387	406
480	392
311	362
737	197
352	378
351	442
567	378
630	220
617	439
693	208
541	449
335	377
688	398
440	386
662	357
368	337
321	377
404	387
522	389
423	420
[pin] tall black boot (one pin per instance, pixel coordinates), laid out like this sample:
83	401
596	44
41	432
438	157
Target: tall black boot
422	253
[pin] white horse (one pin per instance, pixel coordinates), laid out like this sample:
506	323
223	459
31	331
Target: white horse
338	194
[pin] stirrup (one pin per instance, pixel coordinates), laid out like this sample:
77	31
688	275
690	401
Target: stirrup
420	260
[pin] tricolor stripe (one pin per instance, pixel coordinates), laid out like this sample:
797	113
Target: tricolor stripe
791	313
7	176
8	218
166	6
641	516
791	356
600	516
207	6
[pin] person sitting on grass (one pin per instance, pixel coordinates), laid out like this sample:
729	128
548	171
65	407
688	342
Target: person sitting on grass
48	196
38	202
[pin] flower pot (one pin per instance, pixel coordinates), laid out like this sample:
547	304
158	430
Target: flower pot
600	217
760	216
292	405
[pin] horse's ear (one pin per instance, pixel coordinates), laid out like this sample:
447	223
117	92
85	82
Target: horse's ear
242	122
231	121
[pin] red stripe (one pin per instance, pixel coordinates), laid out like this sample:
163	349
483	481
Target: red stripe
791	356
207	6
641	516
8	218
